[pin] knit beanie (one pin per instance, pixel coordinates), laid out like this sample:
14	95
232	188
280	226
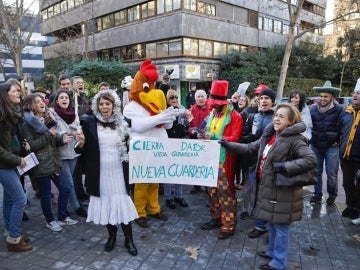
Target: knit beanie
270	93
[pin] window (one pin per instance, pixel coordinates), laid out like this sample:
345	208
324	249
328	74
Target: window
277	26
286	29
108	21
117	54
160	6
191	46
151	50
260	23
233	47
44	14
138	51
63	6
268	24
162	49
120	17
219	49
175	47
126	53
168	5
134	13
206	8
56	9
176	4
99	24
78	3
190	4
70	4
148	9
205	48
50	12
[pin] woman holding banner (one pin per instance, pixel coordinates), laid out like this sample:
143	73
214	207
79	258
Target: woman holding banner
178	130
103	144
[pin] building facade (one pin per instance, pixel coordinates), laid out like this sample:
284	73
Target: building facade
31	55
337	30
183	37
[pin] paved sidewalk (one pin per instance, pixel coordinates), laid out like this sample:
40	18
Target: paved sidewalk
323	240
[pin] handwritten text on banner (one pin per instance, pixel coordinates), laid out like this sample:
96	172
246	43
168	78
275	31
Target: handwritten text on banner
177	161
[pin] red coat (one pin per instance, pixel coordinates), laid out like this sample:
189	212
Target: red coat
232	133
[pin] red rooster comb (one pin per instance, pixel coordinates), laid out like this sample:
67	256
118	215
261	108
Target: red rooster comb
149	70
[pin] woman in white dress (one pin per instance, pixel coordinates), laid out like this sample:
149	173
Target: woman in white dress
103	143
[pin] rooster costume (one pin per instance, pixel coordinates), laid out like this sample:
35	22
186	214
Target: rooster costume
149	117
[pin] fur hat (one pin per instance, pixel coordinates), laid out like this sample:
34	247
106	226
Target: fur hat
218	93
327	88
270	93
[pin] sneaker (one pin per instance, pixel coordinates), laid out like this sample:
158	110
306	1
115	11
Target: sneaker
54	226
67	222
316	199
356	221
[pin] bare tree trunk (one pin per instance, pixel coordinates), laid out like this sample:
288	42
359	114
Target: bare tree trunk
289	46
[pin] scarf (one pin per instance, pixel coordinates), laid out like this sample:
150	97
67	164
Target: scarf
356	115
68	114
216	124
326	108
35	122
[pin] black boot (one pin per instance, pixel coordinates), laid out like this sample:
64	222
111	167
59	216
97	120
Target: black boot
112	230
129	242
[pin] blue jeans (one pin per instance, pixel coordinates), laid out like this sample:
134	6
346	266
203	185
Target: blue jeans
14	201
331	157
45	190
261	224
278	247
66	178
177	191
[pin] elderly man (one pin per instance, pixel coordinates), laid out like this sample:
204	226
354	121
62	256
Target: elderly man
200	110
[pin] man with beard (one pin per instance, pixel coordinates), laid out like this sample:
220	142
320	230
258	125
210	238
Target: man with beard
325	140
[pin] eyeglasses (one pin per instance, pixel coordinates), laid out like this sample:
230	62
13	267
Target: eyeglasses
172	97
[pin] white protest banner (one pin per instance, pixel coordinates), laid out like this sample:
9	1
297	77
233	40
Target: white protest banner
176	161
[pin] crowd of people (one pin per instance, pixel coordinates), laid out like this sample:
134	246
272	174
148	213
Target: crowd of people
75	138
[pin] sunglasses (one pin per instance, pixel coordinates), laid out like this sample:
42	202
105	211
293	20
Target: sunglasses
172	97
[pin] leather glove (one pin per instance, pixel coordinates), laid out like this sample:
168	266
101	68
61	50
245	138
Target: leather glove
279	167
224	143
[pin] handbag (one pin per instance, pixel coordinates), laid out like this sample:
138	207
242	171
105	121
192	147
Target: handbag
300	180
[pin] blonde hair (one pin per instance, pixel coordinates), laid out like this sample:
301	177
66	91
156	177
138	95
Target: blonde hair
171	92
293	113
